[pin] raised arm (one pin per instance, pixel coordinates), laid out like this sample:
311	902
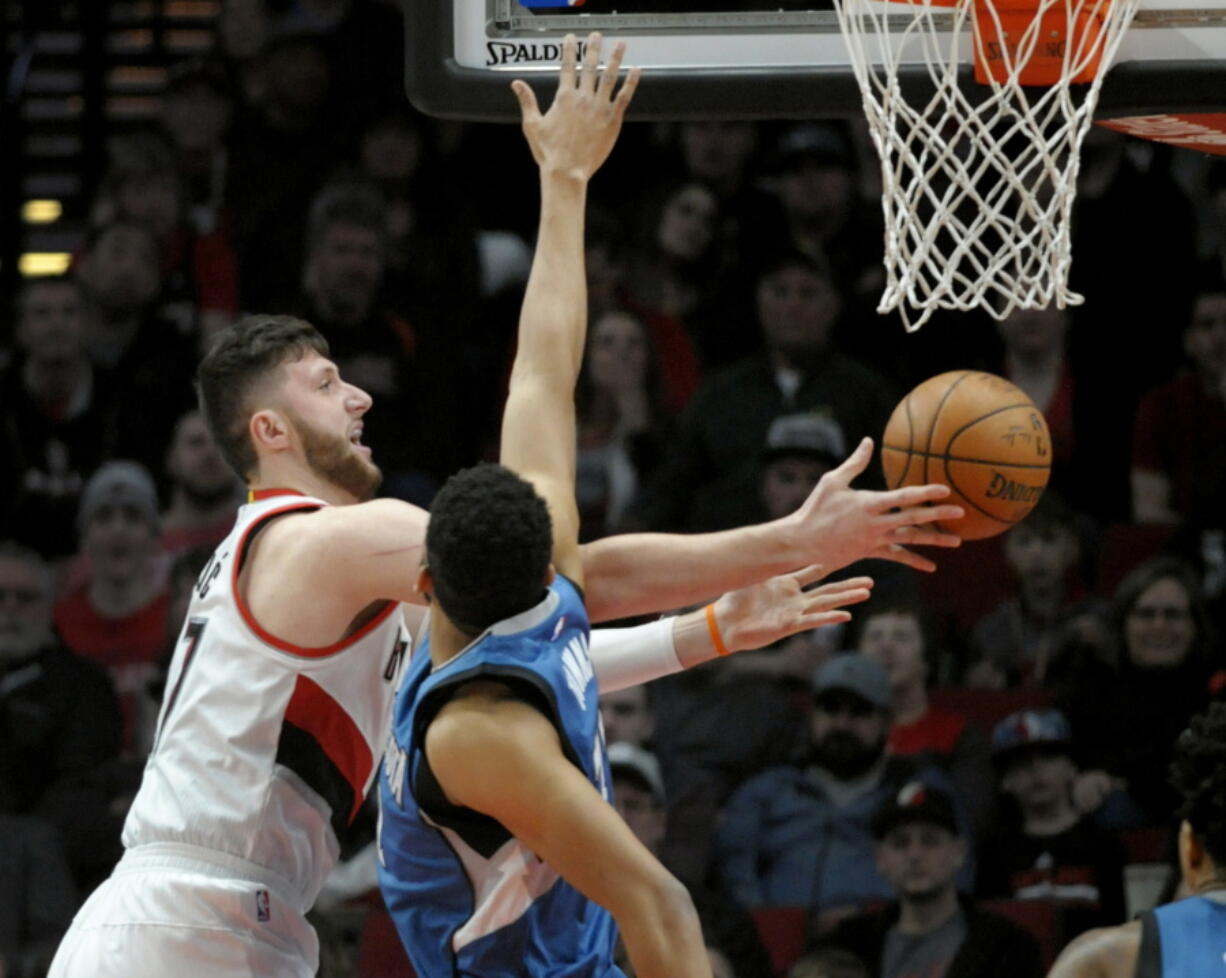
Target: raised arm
569	143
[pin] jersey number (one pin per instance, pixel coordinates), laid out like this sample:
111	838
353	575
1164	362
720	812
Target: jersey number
191	639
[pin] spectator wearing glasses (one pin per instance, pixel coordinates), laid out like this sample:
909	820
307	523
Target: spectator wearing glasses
1126	712
802	834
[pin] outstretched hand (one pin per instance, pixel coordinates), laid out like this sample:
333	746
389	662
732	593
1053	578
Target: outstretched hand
577	133
843	525
762	614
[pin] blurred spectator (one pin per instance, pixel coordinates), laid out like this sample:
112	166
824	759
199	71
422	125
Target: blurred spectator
800	449
605	257
405	369
39	896
621	424
198	291
893	632
829	961
204	491
1125	714
668	276
59	726
800	835
638	791
1044	847
709	480
1033	637
929	930
149	361
280	154
197	109
814	171
54	419
1179	445
243	28
117	616
627	716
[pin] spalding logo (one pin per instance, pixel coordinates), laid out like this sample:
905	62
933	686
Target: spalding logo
1015	492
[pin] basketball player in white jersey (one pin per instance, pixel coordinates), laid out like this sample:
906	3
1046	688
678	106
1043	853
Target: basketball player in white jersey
279	693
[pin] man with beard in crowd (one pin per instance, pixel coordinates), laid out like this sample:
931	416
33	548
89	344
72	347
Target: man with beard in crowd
205	493
801	835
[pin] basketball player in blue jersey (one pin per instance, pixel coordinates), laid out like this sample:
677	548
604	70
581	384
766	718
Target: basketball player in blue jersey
1187	938
500	854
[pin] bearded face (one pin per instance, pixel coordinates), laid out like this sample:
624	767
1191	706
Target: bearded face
339	461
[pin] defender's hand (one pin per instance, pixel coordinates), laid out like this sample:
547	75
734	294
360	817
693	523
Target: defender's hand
577	134
844	525
757	616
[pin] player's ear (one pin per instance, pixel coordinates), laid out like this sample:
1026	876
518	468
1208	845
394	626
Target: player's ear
424	584
1191	852
269	430
550	575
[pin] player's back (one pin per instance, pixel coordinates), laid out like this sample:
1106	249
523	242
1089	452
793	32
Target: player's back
1184	939
264	750
466	896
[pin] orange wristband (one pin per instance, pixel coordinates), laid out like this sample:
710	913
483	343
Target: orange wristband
713	628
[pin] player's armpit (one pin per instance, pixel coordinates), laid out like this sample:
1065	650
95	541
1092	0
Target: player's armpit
503	758
1106	952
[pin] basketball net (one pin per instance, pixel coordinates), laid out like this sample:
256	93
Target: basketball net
979	184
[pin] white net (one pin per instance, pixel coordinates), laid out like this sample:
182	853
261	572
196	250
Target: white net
978	188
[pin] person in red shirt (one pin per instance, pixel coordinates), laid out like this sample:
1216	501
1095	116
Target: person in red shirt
893	634
117	617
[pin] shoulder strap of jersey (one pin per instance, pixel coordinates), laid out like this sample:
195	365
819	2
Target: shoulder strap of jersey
1149	955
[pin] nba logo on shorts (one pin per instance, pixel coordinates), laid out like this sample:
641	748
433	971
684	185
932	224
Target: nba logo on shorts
262	912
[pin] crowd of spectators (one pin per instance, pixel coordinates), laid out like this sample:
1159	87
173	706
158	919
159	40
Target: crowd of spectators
734	356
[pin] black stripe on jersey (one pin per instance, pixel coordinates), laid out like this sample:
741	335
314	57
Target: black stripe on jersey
1149	955
484	835
304	755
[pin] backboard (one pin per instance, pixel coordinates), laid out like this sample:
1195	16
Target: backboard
766	58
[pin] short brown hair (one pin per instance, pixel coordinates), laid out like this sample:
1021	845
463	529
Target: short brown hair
242	356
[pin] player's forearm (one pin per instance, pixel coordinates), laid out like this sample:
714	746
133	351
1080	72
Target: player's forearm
643	573
663	935
624	657
551	325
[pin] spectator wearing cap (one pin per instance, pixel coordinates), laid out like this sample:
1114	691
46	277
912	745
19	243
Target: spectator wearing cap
894	631
1045	848
929	930
117	616
816	174
800	835
709	480
638	791
800	449
59	727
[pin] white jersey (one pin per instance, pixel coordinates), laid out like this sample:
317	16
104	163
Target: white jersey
265	750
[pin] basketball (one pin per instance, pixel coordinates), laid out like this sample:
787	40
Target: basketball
978	434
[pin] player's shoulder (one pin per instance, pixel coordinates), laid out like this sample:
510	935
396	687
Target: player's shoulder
1104	952
341	531
483	720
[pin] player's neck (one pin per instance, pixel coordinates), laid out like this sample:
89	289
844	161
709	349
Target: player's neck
288	474
446	640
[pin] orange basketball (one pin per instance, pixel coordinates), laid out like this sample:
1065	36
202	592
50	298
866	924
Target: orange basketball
981	436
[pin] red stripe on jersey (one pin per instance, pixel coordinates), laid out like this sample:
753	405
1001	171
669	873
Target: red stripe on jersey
256	495
268	637
311	709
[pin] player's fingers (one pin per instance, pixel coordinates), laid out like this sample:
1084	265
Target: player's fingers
916	536
608	77
528	109
909	496
856	462
919	515
843	585
839	599
809	575
821	619
622	102
566	77
591	63
901	555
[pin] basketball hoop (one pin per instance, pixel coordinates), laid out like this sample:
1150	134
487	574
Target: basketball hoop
979	183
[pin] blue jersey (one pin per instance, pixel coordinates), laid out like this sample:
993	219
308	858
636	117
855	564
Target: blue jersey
1184	939
466	896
